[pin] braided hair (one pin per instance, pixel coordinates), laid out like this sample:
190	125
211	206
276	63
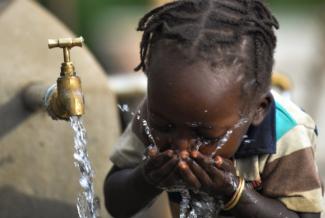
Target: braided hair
215	27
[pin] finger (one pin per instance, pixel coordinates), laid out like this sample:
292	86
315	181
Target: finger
171	179
188	176
225	164
158	160
199	173
219	161
162	172
152	151
207	163
184	155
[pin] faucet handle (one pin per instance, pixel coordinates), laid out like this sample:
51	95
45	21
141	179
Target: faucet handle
65	42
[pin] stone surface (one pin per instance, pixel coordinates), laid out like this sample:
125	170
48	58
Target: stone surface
37	174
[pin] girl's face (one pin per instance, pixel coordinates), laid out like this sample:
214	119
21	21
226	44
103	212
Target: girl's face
191	104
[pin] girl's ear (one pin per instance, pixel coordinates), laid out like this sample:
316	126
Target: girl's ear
263	106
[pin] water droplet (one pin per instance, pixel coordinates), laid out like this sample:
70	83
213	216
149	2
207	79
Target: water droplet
148	131
123	107
194	124
84	183
248	141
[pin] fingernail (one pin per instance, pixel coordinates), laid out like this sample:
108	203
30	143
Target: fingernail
170	153
182	165
152	152
194	154
184	155
218	161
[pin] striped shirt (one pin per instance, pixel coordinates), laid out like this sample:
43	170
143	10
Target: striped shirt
290	174
277	158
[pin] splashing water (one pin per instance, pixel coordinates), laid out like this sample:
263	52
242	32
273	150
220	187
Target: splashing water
192	205
148	132
86	204
198	144
226	137
185	203
248	141
197	205
124	107
150	137
138	115
205	206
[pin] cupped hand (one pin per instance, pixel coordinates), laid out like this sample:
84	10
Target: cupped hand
215	176
159	169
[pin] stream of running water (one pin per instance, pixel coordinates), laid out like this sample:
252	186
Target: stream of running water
86	203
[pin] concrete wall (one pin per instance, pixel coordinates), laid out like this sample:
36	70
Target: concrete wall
37	174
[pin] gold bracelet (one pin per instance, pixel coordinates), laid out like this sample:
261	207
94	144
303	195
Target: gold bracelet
236	197
241	189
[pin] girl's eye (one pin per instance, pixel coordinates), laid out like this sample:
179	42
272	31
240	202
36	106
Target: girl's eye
163	128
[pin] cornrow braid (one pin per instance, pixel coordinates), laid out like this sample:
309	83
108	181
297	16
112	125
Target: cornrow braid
207	26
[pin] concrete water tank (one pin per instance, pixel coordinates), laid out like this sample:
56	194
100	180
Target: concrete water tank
37	174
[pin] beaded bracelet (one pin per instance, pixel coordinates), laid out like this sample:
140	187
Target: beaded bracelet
235	198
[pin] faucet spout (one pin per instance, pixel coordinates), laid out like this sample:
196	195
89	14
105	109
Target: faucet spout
65	98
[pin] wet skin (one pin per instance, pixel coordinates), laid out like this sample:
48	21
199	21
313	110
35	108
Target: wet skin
187	102
191	102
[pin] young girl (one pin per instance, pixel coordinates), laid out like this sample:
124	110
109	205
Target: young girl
209	121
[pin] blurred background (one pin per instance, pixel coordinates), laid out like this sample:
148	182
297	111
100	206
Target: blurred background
109	29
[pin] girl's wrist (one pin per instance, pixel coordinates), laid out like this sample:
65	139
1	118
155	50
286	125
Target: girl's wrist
141	183
231	186
234	200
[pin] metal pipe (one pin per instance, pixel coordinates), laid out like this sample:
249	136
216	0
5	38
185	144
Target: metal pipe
33	96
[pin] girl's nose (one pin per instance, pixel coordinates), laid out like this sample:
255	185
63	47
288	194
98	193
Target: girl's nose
180	144
182	141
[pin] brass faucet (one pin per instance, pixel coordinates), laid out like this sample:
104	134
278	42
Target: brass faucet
65	98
